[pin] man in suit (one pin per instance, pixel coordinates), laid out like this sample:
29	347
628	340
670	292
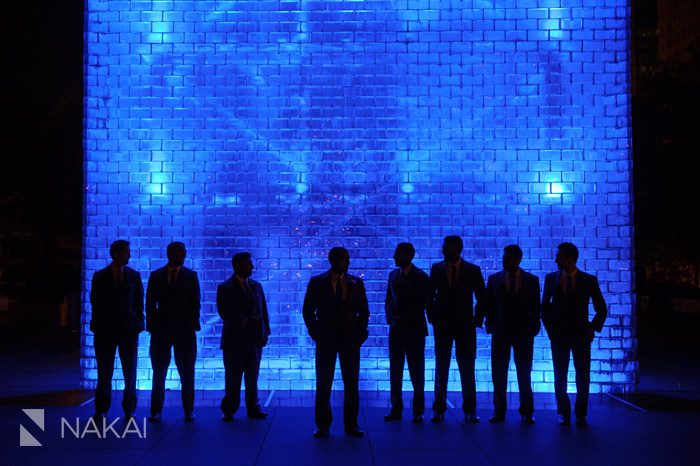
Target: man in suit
513	319
336	314
116	296
405	304
565	300
454	283
241	304
172	318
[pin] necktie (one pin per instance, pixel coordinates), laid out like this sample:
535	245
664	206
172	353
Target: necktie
119	277
171	277
511	284
451	277
400	281
569	285
338	290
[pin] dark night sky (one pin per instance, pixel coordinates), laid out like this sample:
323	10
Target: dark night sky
42	96
41	175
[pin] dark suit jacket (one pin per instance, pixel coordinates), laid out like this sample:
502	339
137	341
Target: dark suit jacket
566	317
456	306
116	307
172	307
244	315
331	325
405	305
523	318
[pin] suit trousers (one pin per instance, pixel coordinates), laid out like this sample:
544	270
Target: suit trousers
106	345
501	343
411	349
350	369
239	360
464	339
183	343
562	348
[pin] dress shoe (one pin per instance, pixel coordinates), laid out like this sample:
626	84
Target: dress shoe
354	433
97	417
227	417
581	421
320	433
417	419
257	415
471	418
128	416
155	417
529	419
393	416
189	417
437	418
565	421
497	418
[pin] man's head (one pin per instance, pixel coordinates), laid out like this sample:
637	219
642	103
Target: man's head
567	255
120	252
403	254
242	264
452	248
176	253
512	255
339	257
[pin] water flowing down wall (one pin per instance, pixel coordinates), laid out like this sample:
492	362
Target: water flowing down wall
287	127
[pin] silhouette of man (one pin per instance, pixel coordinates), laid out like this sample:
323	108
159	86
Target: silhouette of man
241	304
172	318
513	319
336	314
116	296
454	283
404	306
565	300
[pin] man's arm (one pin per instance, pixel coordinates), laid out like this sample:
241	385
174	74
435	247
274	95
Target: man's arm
96	301
480	294
546	307
601	309
432	295
424	292
535	304
363	307
222	303
266	319
138	302
196	302
490	304
151	302
309	310
389	303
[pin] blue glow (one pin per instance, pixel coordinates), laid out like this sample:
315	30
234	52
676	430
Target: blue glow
407	188
286	128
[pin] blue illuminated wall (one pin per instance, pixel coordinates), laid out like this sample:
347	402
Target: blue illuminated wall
288	127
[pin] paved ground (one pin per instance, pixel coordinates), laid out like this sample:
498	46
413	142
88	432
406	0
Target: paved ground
617	435
39	367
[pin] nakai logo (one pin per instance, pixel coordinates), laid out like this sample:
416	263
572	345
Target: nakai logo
25	438
80	429
103	430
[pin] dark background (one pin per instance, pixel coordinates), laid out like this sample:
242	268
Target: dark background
41	181
41	176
